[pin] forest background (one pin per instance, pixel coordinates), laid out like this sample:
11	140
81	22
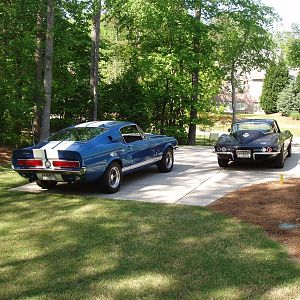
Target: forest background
159	63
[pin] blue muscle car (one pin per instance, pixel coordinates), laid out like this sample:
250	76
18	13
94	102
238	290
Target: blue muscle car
94	151
254	139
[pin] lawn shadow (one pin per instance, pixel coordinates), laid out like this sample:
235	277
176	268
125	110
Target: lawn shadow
74	248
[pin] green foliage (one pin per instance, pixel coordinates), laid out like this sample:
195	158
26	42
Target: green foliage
295	115
287	100
277	77
244	42
293	52
149	51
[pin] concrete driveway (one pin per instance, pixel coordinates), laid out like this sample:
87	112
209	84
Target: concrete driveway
196	179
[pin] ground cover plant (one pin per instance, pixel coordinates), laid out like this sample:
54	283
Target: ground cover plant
73	247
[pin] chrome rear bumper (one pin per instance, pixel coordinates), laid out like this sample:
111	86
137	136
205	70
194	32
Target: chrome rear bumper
80	171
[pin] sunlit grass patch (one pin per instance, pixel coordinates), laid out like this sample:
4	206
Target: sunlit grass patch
76	247
222	122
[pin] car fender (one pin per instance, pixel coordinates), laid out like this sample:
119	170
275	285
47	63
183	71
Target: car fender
168	145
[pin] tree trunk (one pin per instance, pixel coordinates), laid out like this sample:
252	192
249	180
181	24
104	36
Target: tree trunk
38	57
45	128
233	93
94	72
195	84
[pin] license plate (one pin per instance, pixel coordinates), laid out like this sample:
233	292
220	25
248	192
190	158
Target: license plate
243	154
48	177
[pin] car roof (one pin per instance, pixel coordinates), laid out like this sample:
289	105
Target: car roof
105	124
269	121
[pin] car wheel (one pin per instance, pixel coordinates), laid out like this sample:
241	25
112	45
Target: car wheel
279	160
112	178
165	165
289	149
223	163
46	184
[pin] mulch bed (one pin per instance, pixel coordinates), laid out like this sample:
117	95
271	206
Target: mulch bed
268	205
5	155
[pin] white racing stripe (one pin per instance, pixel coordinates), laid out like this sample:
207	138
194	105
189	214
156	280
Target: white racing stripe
141	164
38	154
50	145
58	145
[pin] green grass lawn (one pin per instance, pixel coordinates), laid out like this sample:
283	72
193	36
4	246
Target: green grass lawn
72	247
222	122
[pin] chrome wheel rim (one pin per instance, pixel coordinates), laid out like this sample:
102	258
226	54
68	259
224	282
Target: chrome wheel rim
114	177
169	159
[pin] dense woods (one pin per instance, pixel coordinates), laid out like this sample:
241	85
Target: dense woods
158	63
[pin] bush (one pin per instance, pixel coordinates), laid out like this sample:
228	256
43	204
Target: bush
289	100
276	79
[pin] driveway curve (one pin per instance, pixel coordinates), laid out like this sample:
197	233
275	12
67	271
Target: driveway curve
196	179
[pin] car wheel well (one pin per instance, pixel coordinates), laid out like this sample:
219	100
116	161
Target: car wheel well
169	147
117	161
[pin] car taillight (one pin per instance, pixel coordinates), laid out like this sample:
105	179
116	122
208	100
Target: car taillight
30	162
65	164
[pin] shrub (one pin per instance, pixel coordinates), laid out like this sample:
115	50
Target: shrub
277	77
289	100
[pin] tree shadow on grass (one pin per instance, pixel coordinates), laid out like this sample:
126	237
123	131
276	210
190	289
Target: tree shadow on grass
62	246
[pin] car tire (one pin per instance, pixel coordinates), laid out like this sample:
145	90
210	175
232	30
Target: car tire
165	165
46	184
279	160
112	178
289	150
223	163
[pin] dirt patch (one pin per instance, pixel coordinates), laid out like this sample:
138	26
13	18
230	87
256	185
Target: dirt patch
268	205
5	155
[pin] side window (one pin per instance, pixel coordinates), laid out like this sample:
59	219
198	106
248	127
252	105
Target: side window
131	134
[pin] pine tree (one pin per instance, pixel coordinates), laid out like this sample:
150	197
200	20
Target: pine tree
276	79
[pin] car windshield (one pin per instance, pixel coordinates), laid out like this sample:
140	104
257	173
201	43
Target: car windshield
77	134
261	126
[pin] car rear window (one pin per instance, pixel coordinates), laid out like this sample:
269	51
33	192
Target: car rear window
77	134
265	127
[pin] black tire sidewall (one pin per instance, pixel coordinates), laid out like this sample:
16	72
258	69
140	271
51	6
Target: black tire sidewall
162	165
223	163
105	179
279	160
46	184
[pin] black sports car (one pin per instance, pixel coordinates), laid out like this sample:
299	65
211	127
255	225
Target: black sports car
254	139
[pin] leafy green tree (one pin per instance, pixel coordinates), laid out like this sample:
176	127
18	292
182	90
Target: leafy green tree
293	53
244	42
17	36
276	79
292	47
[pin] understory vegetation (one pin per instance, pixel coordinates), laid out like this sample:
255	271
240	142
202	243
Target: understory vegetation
157	63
